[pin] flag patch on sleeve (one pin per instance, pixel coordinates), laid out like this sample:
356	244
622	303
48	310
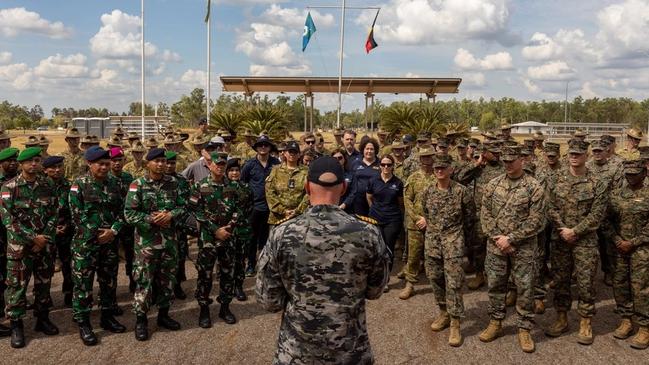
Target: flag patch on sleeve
74	188
132	188
6	195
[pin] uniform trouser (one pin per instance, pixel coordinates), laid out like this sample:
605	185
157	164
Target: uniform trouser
543	273
631	285
583	259
241	245
3	268
89	258
20	268
154	268
260	228
64	252
415	255
522	266
478	248
127	240
446	276
607	264
183	252
207	258
390	232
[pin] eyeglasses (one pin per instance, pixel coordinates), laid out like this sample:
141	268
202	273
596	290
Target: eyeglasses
339	157
386	165
309	142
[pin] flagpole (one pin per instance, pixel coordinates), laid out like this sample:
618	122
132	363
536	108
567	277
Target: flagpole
340	68
209	60
142	65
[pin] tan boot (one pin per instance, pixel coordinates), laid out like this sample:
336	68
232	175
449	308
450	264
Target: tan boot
454	336
539	306
407	292
641	340
585	335
476	282
624	330
492	332
441	322
559	327
525	341
510	299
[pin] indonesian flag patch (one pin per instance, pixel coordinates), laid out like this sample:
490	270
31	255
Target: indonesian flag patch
132	188
74	188
6	195
193	199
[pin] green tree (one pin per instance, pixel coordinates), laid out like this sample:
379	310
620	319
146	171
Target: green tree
189	109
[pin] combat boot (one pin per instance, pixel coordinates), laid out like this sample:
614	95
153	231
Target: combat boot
141	328
641	340
240	294
525	341
226	315
407	292
492	332
17	334
585	335
86	333
454	335
559	327
476	282
165	321
204	320
441	322
44	325
109	323
539	306
624	330
179	293
510	299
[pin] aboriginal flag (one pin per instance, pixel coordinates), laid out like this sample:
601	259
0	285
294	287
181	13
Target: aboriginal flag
370	44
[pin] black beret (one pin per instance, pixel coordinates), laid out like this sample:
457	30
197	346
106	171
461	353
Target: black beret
155	153
52	161
95	153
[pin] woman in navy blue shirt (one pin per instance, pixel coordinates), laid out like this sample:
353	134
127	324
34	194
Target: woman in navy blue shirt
385	197
364	170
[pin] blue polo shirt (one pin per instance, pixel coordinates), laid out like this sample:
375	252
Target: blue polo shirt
362	175
353	159
254	174
385	195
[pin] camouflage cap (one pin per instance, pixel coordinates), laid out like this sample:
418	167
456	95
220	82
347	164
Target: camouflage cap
462	143
474	142
577	146
510	153
308	135
396	144
644	152
138	147
608	138
634	133
442	161
633	167
32	141
281	146
526	151
508	142
529	142
551	148
443	142
94	139
219	157
72	133
491	146
489	135
43	141
226	135
426	152
114	140
151	143
598	145
579	133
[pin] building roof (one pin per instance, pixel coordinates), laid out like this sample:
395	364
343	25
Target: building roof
530	123
365	85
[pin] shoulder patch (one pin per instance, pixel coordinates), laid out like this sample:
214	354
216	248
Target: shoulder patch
366	219
6	195
74	188
133	187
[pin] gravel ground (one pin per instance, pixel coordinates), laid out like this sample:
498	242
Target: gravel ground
399	333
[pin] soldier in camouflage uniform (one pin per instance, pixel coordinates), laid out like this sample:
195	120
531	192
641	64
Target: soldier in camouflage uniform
512	215
447	207
242	234
74	163
8	170
630	152
611	149
213	201
576	206
244	149
628	228
156	210
29	212
96	203
5	139
174	144
322	294
411	164
137	166
285	186
414	189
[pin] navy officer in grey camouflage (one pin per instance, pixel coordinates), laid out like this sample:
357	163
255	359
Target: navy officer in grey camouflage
319	268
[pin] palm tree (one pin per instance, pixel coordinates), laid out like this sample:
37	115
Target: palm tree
268	119
229	121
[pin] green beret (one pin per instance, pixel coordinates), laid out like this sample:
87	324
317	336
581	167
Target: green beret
170	155
7	153
29	153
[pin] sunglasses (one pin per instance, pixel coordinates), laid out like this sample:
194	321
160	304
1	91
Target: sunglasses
339	157
386	165
309	142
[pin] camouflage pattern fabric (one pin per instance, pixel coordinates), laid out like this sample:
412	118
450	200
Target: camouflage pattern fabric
126	237
63	241
28	209
321	292
612	173
74	165
285	191
415	187
242	234
183	243
135	170
3	246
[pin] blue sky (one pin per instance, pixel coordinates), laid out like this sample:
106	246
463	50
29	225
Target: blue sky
86	53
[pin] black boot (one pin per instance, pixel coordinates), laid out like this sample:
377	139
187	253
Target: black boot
67	300
131	284
86	333
204	320
109	323
141	328
43	324
240	294
226	315
165	321
179	293
17	334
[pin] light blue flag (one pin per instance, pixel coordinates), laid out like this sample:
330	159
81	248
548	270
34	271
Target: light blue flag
309	29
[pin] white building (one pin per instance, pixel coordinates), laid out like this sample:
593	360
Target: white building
530	127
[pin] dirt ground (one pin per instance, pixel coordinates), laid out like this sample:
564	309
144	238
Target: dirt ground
399	334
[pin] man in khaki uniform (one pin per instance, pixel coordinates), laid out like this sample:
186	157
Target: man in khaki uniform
137	165
75	165
631	152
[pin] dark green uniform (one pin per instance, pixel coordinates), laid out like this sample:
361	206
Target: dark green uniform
183	245
127	234
242	234
3	248
63	241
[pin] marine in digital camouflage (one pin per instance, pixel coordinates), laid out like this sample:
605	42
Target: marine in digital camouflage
321	292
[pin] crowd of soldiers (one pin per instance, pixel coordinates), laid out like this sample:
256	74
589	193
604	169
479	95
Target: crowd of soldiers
526	217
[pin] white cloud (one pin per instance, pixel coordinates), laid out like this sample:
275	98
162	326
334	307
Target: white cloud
294	18
417	22
58	66
531	86
5	58
119	37
266	70
11	72
570	44
194	78
169	56
587	91
497	61
623	28
14	21
551	71
474	79
541	48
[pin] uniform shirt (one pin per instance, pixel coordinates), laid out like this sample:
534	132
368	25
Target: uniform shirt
196	171
74	164
348	196
362	175
385	199
319	268
612	173
285	191
628	213
213	204
353	158
413	192
254	174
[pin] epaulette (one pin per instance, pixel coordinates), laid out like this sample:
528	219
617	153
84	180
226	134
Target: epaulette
366	219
